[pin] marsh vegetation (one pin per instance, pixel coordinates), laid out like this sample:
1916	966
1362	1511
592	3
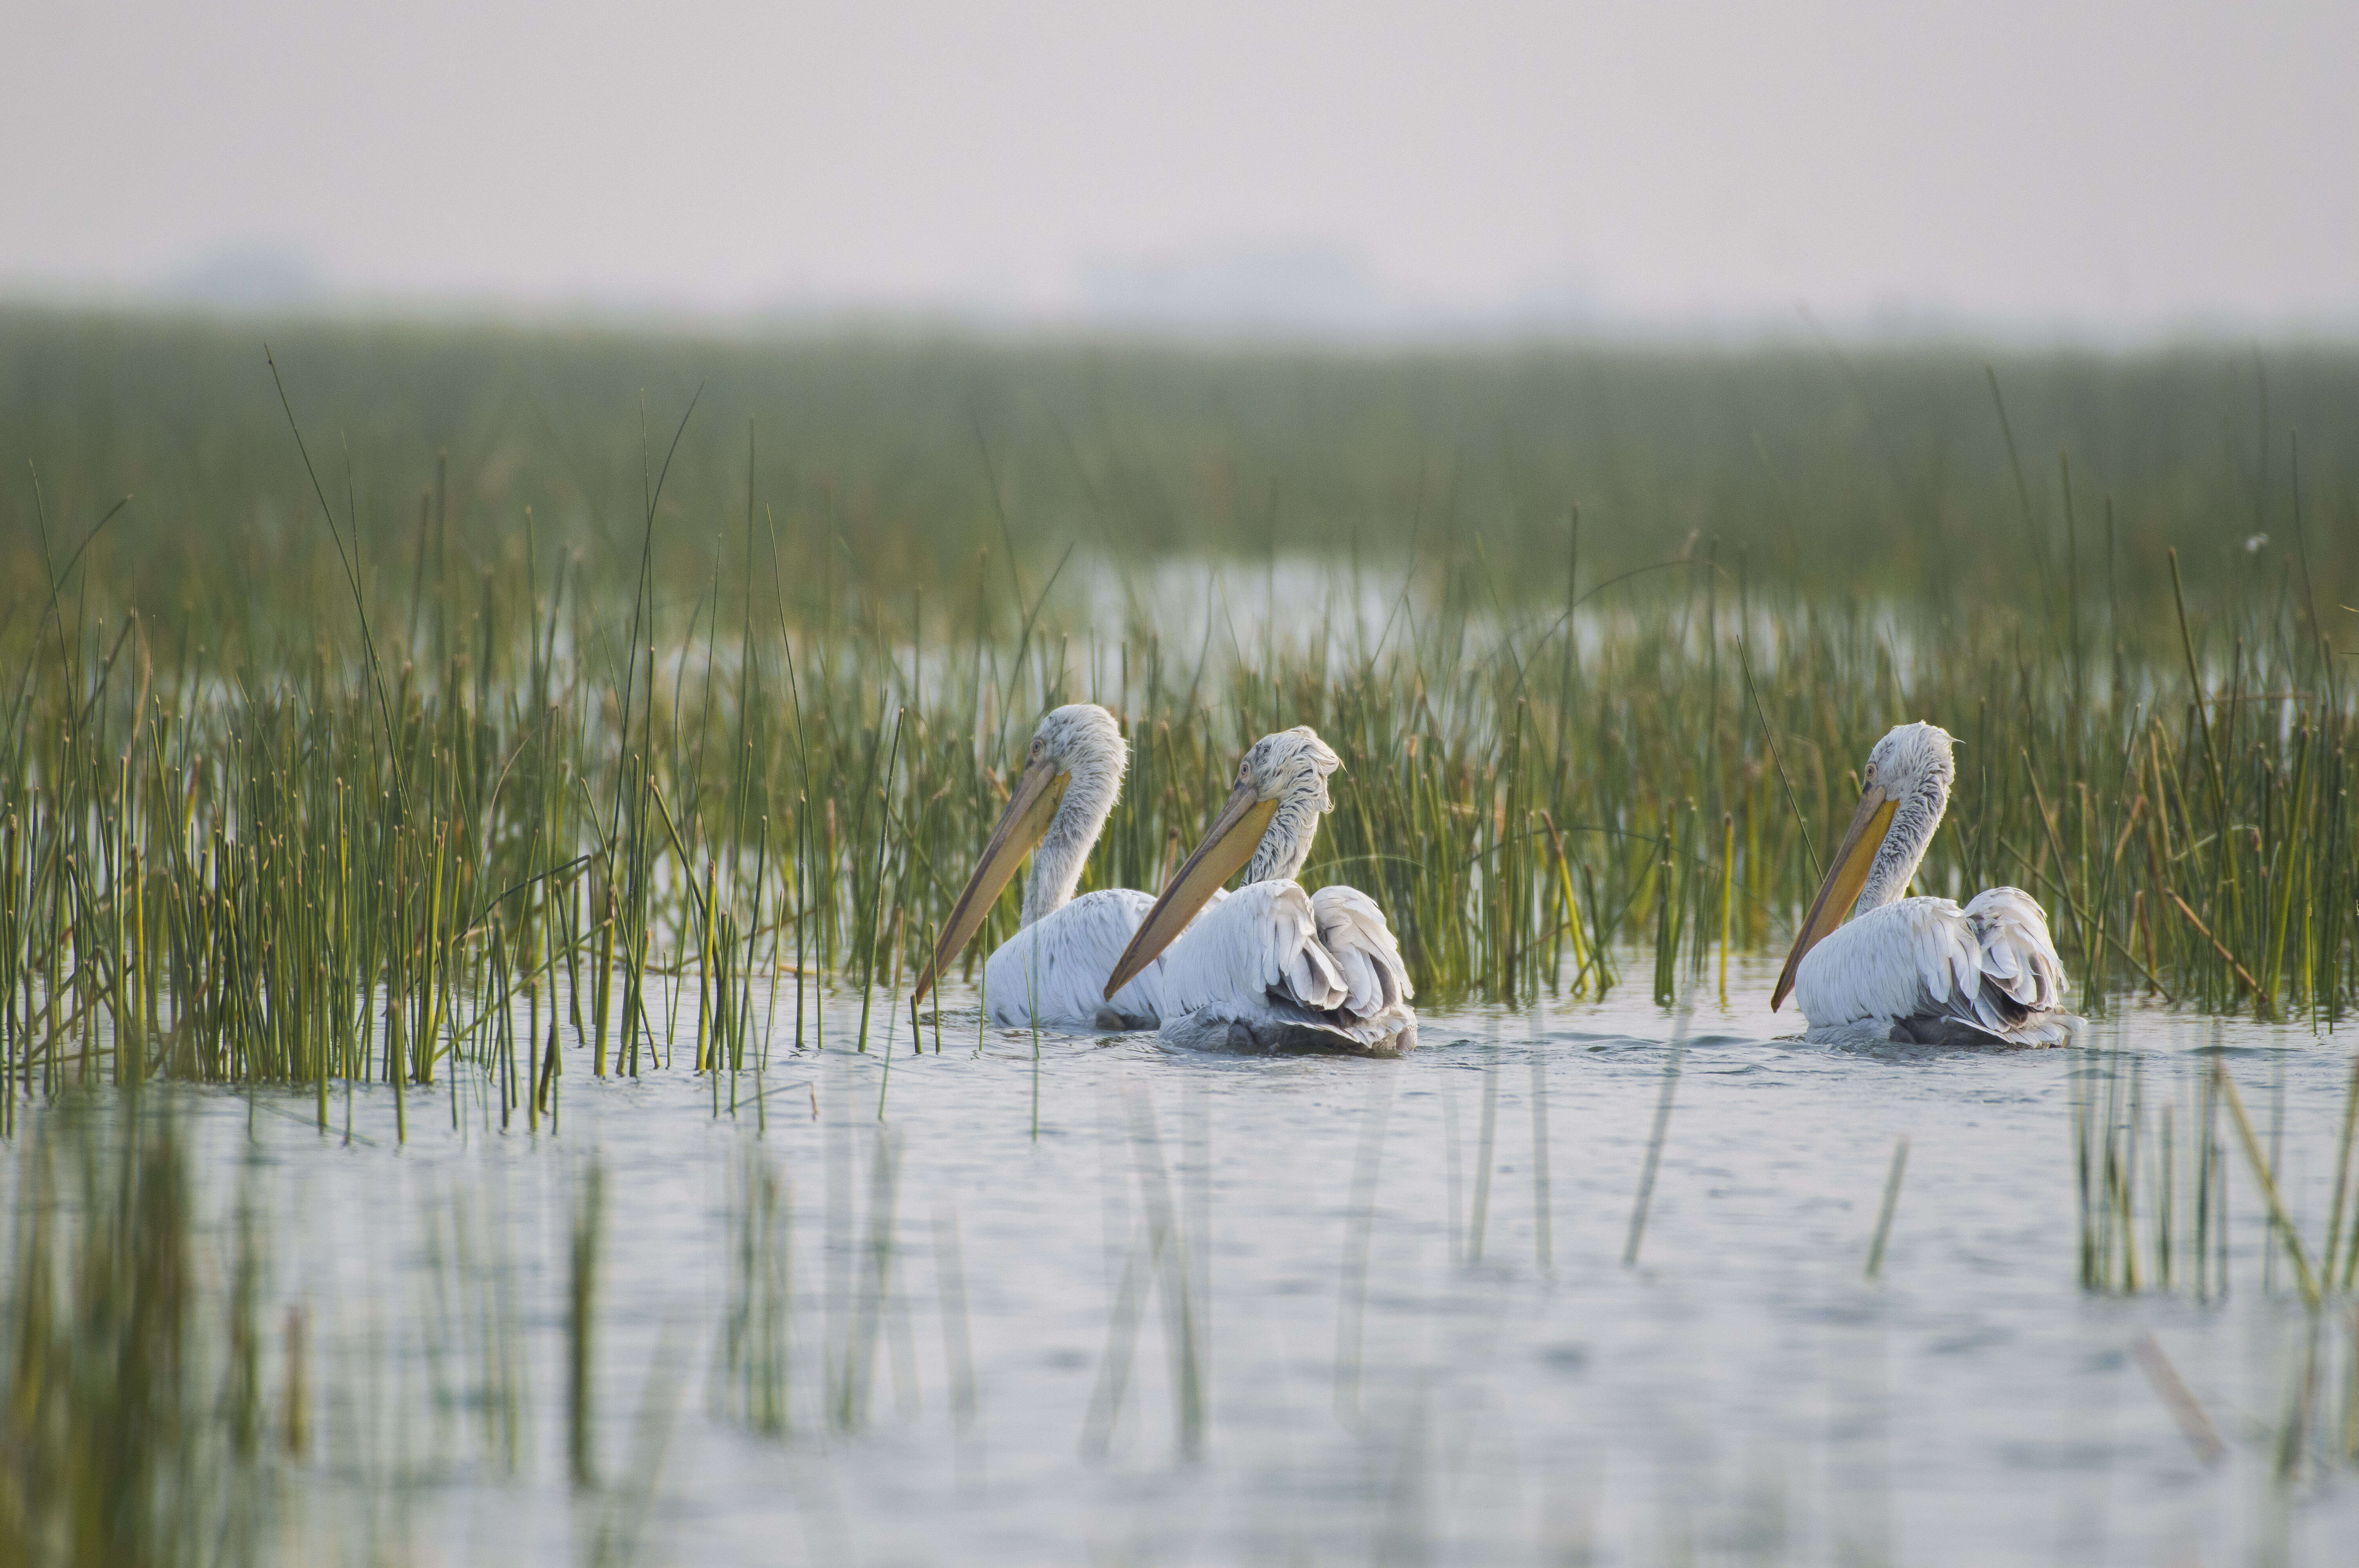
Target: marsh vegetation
318	756
498	714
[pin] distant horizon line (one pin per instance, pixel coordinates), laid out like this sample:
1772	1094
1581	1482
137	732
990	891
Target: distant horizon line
1901	325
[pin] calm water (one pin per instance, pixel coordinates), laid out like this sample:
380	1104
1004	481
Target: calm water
1318	1311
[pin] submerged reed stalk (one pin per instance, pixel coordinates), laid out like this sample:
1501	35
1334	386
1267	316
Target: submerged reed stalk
1885	1212
1654	1139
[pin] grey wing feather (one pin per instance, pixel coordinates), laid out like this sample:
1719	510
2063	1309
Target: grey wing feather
1278	968
1299	968
1924	969
2014	988
1352	929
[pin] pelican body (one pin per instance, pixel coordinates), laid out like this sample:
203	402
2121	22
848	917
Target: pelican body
1052	971
1870	964
1272	967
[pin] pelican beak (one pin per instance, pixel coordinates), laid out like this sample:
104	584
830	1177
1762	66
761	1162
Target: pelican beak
1845	876
1039	791
1229	844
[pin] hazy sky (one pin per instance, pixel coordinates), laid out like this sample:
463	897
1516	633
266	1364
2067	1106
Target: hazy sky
2112	166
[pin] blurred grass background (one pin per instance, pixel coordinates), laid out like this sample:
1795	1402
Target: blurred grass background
1836	469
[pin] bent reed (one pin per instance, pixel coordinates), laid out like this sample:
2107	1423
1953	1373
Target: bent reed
300	786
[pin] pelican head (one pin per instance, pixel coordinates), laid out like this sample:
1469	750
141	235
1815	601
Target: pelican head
1267	827
1071	774
1902	793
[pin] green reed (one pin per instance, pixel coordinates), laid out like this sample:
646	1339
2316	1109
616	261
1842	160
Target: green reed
336	799
133	1421
753	1372
2153	1163
170	1394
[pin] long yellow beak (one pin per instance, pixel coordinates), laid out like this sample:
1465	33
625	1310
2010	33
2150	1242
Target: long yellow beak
1039	791
1234	836
1853	858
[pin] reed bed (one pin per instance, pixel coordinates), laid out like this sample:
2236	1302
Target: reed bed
2158	1142
342	796
138	1424
169	1395
2154	1144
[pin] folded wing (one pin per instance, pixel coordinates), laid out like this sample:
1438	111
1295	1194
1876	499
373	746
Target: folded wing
2019	975
1929	970
1273	966
1352	930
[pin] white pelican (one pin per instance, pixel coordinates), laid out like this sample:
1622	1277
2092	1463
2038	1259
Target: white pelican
1919	969
1272	967
1054	968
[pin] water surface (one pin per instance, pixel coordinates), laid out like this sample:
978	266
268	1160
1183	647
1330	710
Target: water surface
1308	1311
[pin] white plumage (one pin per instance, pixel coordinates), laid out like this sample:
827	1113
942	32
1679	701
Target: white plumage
1272	967
1926	970
1053	971
1352	930
1057	967
1920	969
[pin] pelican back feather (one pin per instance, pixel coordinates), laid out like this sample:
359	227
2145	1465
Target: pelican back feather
1924	969
1057	967
1273	967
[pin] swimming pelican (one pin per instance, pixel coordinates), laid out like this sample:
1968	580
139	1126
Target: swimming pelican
1272	967
1919	969
1055	966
